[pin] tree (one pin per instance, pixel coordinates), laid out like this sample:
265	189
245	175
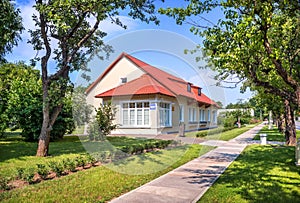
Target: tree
81	110
103	123
21	103
10	27
220	104
255	41
10	76
74	26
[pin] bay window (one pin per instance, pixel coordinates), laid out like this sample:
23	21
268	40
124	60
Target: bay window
135	114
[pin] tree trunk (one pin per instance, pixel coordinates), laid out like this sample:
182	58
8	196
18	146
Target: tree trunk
298	96
280	121
44	139
290	127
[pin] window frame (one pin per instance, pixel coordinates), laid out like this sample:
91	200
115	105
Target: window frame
132	115
165	114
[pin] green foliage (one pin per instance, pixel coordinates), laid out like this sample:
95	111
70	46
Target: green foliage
21	103
74	26
57	167
81	161
20	172
230	118
10	27
81	110
4	183
103	124
69	164
28	174
42	170
95	181
257	42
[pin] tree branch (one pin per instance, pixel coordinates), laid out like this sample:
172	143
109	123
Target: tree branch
75	28
277	63
83	40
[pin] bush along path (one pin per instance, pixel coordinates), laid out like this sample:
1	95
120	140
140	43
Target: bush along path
190	181
55	169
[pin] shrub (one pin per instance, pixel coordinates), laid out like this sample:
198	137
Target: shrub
56	167
69	164
90	159
42	170
80	161
20	172
28	175
4	183
103	124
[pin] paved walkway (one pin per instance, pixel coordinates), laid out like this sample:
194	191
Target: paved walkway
190	181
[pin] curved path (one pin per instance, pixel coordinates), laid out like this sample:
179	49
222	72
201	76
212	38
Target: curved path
190	181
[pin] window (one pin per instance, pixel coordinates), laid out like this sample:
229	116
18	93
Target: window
165	114
214	116
199	91
181	113
135	114
192	114
189	87
208	115
201	115
123	80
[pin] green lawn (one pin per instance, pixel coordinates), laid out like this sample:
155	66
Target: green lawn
273	134
96	184
17	153
79	130
260	174
228	135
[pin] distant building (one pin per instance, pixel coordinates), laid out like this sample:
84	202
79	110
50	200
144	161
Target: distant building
251	111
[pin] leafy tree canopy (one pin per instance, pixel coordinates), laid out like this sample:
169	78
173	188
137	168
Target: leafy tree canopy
74	27
21	103
257	41
10	27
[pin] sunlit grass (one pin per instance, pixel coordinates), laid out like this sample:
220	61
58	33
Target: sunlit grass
273	134
260	174
105	182
224	135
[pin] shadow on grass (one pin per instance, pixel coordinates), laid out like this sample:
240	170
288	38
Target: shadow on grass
14	147
272	134
148	163
260	174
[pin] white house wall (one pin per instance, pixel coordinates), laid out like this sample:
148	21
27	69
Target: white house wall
123	68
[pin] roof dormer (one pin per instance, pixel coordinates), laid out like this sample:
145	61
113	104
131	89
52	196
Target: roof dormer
199	91
189	87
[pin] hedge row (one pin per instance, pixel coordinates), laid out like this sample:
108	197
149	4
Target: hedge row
56	168
213	131
65	166
141	147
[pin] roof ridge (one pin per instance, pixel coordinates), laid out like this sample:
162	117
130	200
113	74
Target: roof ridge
174	77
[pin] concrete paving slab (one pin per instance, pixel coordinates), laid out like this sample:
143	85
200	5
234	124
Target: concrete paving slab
190	181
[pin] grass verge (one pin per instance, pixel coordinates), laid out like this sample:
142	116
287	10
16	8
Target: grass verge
103	183
228	135
260	174
273	134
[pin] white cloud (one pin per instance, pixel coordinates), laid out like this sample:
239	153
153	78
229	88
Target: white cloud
25	52
109	27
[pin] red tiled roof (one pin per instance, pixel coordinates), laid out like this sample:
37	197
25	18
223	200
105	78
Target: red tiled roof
153	82
140	86
202	98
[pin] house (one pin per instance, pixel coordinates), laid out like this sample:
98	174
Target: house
149	100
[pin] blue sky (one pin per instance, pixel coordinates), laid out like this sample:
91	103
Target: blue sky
161	46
